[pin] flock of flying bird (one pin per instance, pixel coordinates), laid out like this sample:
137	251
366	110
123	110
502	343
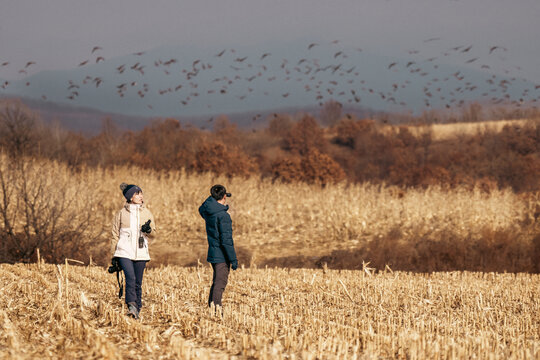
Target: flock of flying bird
335	79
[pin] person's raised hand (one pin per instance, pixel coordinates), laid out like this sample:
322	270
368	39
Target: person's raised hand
145	228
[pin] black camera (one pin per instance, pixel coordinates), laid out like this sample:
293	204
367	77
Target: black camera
115	266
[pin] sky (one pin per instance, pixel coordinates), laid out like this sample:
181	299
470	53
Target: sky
59	34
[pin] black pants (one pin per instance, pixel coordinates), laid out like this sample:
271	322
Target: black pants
219	281
133	271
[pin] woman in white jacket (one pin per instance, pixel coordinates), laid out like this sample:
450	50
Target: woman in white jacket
132	226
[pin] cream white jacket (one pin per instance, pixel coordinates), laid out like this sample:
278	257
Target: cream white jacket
126	230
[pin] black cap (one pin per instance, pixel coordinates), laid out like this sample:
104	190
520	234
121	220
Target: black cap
218	192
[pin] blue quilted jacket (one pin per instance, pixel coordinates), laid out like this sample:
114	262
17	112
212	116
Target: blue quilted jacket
218	231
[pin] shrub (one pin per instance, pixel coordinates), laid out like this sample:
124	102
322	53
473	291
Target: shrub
313	168
220	159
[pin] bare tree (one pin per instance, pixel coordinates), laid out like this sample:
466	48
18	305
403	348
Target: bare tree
331	112
40	205
18	133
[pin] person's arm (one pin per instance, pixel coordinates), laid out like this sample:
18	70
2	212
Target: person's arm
201	210
226	239
115	232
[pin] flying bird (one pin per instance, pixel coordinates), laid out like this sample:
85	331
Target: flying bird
84	63
312	45
493	48
96	48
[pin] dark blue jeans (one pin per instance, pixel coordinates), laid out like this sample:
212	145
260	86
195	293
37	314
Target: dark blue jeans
133	271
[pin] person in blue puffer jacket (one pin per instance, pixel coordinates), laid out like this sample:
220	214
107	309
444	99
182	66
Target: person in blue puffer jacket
221	253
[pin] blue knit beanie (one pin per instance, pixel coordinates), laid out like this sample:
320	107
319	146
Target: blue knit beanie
129	190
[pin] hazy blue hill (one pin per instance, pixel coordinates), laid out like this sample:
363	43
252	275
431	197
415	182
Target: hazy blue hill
89	121
80	119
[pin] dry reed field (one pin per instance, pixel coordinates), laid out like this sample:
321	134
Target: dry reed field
64	311
446	131
274	220
441	132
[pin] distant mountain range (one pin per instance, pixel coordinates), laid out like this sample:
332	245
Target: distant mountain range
78	118
89	121
196	84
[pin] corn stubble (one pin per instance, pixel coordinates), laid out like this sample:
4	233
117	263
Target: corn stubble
72	311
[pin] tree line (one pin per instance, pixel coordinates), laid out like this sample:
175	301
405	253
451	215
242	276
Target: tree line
293	148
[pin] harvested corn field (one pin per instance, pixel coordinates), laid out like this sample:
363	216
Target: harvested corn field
73	312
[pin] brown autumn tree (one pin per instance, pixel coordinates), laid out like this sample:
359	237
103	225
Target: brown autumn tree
313	168
221	159
279	125
348	131
304	136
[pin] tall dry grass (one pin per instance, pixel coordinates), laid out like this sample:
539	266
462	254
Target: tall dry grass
308	224
449	131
